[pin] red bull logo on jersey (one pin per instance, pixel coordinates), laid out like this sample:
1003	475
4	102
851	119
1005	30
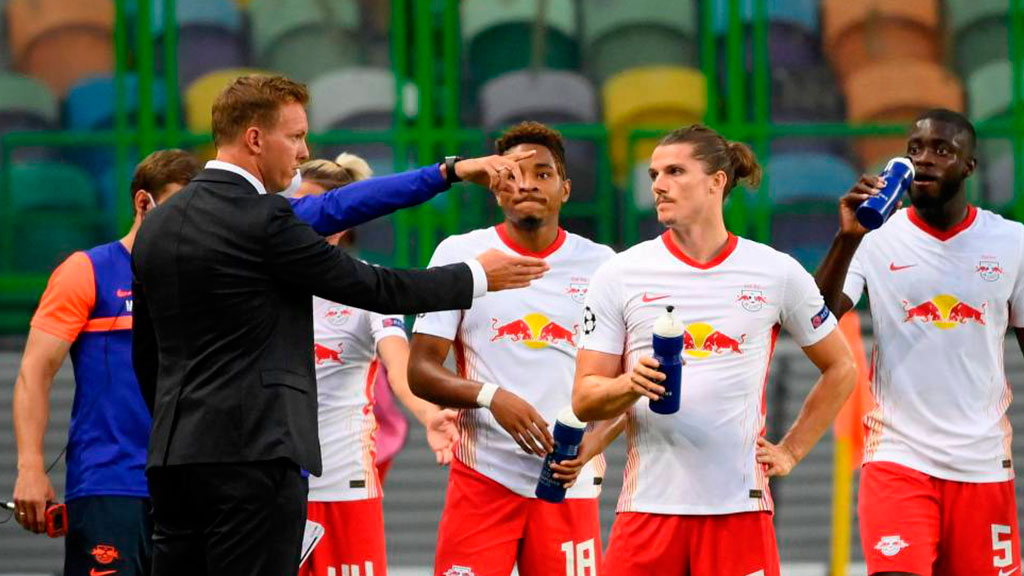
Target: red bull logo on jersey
752	300
944	312
989	270
701	340
325	355
534	331
337	315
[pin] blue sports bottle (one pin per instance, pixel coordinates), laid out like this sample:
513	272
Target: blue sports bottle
568	435
668	348
898	175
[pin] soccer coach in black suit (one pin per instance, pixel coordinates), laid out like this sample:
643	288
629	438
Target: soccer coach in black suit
224	274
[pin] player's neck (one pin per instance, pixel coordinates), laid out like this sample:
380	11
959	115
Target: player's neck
945	216
535	240
701	243
128	240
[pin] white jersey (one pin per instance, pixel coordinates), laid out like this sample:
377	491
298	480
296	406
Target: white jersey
701	460
524	341
344	349
941	304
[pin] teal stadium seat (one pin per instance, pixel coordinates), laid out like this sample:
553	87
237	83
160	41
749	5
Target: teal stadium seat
497	35
990	97
55	213
980	33
303	39
804	190
801	13
26	105
618	36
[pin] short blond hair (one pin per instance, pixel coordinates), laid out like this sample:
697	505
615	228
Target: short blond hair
345	169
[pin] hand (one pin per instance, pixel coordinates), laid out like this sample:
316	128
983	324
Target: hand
569	470
779	459
493	172
644	379
865	188
505	271
443	435
32	491
522	422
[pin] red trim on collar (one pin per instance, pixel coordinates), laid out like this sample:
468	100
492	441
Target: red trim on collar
503	234
730	247
943	235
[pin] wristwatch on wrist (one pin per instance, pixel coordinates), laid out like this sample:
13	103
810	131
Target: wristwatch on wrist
449	169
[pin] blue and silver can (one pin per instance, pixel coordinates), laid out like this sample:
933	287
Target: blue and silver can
898	176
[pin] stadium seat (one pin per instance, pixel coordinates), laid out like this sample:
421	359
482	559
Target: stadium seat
498	37
303	39
62	41
860	33
354	98
808	94
551	97
199	96
796	178
662	97
793	36
26	104
990	97
619	35
897	92
51	186
801	13
996	174
209	36
980	33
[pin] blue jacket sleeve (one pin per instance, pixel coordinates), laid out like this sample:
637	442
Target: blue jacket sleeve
359	202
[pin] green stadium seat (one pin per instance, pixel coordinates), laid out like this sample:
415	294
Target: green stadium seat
23	95
662	97
62	41
859	33
302	39
51	186
497	35
619	35
980	33
897	92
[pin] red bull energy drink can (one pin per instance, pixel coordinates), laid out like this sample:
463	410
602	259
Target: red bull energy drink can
898	176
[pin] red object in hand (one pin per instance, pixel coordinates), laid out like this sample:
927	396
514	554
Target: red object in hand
56	520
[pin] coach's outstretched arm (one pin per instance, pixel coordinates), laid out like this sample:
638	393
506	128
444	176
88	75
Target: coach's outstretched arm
430	380
831	275
838	376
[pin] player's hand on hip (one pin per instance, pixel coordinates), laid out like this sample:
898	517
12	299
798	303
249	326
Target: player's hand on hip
865	188
443	435
522	421
505	271
494	172
32	491
644	379
778	459
567	471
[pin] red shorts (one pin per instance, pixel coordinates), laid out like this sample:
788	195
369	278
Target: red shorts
353	541
486	529
913	522
741	544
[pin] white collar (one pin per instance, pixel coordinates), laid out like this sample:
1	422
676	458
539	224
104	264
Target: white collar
221	165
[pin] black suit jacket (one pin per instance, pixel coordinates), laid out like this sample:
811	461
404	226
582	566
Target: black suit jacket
223	321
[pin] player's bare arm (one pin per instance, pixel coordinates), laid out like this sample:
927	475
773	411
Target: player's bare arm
595	442
44	354
833	358
832	272
602	392
442	434
430	380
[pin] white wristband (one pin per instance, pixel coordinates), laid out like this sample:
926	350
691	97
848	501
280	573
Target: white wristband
483	399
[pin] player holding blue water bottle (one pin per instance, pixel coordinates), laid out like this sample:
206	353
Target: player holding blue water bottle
696	480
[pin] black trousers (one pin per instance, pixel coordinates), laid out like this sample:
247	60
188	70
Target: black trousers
228	519
108	535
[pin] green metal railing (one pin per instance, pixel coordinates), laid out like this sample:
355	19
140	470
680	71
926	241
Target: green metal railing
426	48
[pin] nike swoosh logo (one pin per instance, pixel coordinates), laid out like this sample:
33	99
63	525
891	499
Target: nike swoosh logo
1002	573
123	293
95	572
895	268
647	298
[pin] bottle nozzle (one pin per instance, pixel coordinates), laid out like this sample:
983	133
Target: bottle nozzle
670	308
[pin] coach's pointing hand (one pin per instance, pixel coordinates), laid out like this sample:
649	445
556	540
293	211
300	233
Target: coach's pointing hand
522	421
505	271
